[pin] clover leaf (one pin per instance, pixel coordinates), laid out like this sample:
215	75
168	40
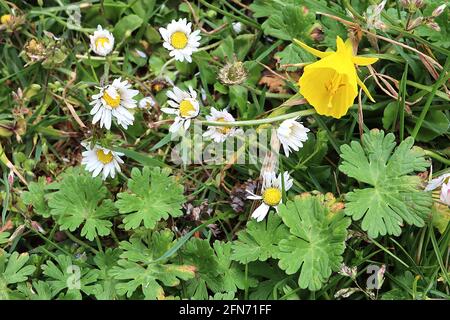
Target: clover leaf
153	195
393	196
316	243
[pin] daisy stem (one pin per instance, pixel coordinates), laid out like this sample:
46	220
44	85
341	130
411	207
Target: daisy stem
437	157
260	121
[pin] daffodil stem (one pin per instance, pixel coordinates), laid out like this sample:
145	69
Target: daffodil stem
244	123
441	80
437	157
349	7
226	13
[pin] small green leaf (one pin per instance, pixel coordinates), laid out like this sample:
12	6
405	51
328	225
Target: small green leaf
317	241
35	196
137	265
126	26
81	200
154	195
393	196
259	241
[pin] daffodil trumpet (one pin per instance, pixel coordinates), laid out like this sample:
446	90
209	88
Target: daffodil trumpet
330	85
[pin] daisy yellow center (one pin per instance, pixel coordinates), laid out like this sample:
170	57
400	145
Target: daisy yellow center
103	157
223	130
101	41
272	196
112	102
5	18
186	107
332	86
178	40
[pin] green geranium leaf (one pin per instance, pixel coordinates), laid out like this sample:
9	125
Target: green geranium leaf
81	200
137	265
232	273
4	236
198	252
35	196
154	195
69	279
316	243
259	241
13	269
393	196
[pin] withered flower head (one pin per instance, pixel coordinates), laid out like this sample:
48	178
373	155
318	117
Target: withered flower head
34	50
11	22
233	73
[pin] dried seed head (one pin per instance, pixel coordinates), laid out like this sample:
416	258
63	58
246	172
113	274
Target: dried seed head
233	73
34	50
11	22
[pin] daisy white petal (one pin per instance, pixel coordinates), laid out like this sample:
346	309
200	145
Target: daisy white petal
114	100
292	134
102	41
177	37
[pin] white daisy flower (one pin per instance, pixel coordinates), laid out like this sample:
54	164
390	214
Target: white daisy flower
99	159
147	103
445	193
237	27
437	182
220	134
114	100
292	134
184	105
271	193
442	181
179	39
102	41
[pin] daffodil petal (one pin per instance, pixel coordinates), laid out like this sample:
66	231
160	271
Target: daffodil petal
364	61
363	86
340	45
313	51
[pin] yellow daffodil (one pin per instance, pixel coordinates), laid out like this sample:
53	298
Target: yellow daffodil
330	85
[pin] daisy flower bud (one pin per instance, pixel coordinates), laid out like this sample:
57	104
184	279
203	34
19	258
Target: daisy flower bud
147	103
102	41
180	40
237	27
433	25
100	159
438	11
292	134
